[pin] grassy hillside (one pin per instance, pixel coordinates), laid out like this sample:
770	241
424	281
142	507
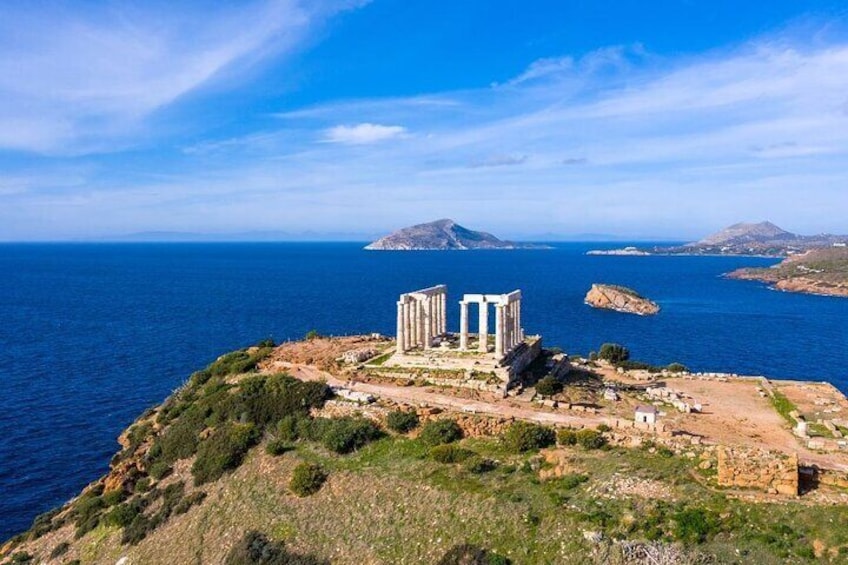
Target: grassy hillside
820	271
207	478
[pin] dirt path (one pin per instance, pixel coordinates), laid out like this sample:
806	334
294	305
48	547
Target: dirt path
413	395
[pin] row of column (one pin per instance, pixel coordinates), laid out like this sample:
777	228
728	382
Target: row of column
421	316
507	326
508	332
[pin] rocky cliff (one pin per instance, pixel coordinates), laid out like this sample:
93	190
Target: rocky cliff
443	235
620	299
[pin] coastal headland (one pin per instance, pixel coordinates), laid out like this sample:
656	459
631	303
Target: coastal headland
215	468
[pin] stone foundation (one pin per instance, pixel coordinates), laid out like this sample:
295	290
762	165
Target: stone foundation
774	473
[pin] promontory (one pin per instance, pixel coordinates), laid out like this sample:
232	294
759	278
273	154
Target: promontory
443	235
620	299
818	271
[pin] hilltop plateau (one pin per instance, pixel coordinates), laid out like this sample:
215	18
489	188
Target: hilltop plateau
443	235
316	452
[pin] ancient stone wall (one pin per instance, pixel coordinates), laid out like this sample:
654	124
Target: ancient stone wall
771	472
521	359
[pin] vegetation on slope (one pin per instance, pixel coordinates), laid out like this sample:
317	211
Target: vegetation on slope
345	491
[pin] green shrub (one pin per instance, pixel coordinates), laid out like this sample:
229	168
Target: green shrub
137	530
312	334
603	428
113	497
43	523
440	431
21	557
677	368
693	525
572	481
122	515
639	366
159	470
264	400
87	511
287	428
402	421
567	437
614	353
467	554
525	436
254	548
238	362
60	550
278	447
479	465
307	479
187	502
181	438
548	386
450	453
590	439
344	435
223	451
142	485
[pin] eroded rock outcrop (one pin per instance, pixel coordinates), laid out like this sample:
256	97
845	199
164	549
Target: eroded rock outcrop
620	299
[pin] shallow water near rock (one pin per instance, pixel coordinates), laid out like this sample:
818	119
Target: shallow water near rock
92	334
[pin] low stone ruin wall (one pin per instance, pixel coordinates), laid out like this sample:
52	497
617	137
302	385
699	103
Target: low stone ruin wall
774	473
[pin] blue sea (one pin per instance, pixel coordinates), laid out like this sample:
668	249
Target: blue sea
92	334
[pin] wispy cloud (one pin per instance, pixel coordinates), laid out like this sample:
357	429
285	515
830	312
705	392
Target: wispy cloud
362	134
79	78
618	140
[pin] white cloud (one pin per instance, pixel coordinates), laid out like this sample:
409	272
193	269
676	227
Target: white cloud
656	146
79	79
362	134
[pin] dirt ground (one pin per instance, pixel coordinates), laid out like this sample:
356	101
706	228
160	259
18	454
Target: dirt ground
735	411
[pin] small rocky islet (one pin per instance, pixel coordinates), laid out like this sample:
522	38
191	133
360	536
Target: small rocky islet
620	299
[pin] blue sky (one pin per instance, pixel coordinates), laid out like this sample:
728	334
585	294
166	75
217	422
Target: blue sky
346	119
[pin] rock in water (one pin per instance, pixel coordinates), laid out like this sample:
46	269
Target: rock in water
443	235
620	299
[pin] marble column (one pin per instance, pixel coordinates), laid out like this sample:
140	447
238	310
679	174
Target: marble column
519	337
407	320
513	324
508	327
499	330
428	323
401	329
483	331
444	301
463	325
416	323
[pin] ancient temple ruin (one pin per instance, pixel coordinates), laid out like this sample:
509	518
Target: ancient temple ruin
425	346
422	320
421	317
508	331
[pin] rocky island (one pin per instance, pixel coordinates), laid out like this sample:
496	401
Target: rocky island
620	299
754	239
819	271
443	235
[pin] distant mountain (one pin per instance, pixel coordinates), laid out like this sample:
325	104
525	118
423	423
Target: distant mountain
739	234
443	235
763	238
